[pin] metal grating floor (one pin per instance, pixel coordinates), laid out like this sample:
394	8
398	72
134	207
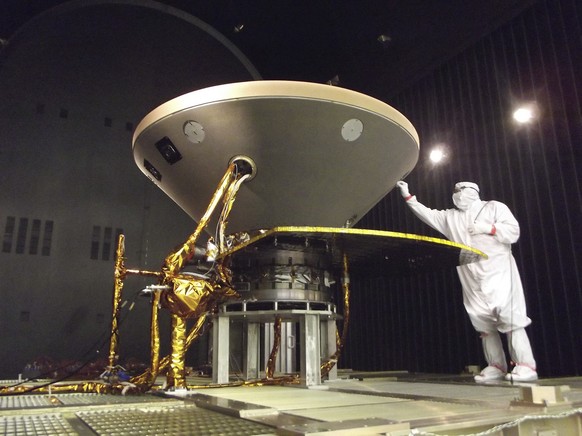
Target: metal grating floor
33	425
171	420
75	399
24	401
377	404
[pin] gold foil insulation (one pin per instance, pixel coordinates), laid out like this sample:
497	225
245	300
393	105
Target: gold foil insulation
155	337
176	373
190	297
175	262
228	203
270	369
148	377
340	341
79	387
119	276
276	381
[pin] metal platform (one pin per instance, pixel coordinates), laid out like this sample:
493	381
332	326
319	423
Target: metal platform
395	403
374	252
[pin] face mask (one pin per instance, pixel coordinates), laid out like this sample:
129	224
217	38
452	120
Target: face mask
464	198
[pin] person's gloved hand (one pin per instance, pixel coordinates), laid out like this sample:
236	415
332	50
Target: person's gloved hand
479	228
403	186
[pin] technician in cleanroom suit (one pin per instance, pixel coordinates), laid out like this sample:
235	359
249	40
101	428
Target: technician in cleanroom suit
492	291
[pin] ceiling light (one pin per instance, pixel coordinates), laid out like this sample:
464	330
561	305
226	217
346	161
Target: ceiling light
437	155
523	115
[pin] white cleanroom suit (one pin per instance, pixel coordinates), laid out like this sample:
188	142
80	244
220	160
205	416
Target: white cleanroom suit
492	290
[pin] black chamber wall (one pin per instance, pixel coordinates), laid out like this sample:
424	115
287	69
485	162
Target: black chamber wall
418	323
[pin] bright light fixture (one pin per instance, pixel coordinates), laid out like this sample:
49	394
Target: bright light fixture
523	115
437	155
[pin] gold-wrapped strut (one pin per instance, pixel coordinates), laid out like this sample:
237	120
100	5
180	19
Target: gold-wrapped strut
155	337
119	276
175	261
292	379
187	296
270	369
228	203
176	374
149	376
340	340
80	387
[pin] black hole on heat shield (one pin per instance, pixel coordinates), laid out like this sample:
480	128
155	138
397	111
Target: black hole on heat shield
244	167
152	170
168	150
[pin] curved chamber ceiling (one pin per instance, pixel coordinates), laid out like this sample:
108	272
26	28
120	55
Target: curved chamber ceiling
119	53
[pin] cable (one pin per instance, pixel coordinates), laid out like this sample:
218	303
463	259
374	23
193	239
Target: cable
98	344
221	217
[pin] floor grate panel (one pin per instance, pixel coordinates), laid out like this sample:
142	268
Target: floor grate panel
75	399
175	420
82	399
24	401
33	425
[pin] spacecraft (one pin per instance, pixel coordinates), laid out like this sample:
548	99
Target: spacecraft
304	163
276	175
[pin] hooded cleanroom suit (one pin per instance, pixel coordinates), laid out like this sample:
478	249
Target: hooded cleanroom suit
492	291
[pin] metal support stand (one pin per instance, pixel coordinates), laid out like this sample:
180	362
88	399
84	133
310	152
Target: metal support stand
310	347
220	349
252	349
311	324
